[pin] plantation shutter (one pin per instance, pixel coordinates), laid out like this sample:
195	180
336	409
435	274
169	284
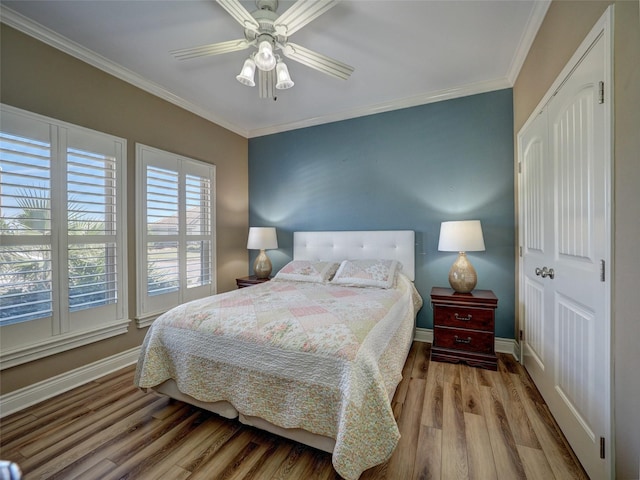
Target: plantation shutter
25	222
175	234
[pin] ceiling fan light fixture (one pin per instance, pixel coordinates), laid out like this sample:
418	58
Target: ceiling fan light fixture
283	78
265	59
247	73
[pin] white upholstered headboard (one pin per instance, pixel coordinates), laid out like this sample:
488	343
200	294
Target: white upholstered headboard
353	245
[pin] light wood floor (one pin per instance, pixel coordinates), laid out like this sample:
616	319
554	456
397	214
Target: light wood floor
457	422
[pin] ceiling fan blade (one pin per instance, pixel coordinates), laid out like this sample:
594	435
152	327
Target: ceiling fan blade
299	14
242	16
318	61
211	49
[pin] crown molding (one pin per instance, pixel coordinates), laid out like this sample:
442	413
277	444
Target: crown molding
528	36
431	97
59	42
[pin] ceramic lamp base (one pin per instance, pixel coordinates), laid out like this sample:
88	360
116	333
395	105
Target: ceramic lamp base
462	276
262	265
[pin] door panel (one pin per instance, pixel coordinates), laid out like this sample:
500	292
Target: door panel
564	215
578	155
537	235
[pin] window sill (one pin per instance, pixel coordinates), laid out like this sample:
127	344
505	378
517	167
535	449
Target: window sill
61	343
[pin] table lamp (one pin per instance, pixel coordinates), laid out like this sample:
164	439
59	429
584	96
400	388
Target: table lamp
461	236
262	238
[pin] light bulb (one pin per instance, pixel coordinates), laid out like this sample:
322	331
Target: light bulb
283	79
246	74
265	60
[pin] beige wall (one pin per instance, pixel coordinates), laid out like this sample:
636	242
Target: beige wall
565	26
43	80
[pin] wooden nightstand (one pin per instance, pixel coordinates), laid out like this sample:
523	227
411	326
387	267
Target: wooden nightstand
250	280
464	327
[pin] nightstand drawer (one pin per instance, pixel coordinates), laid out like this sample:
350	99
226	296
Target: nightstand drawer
466	340
473	318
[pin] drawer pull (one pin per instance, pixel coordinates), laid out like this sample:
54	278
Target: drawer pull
464	319
461	340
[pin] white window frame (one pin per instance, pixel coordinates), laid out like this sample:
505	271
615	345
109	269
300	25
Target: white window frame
150	307
65	329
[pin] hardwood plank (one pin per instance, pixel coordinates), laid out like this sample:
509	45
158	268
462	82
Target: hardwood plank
433	398
401	389
451	373
519	423
471	402
535	463
428	463
190	453
98	470
454	444
403	457
276	454
229	459
509	363
125	373
421	361
505	454
286	470
484	377
479	448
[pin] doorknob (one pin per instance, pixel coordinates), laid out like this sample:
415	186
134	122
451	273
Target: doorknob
545	272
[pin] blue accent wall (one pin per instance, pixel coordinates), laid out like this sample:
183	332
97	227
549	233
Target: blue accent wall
405	169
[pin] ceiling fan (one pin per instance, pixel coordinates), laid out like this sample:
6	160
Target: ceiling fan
269	32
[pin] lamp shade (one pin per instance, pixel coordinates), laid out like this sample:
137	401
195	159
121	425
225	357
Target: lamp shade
247	73
461	236
262	238
265	59
284	79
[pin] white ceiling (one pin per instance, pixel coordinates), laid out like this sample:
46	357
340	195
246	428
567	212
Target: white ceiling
404	53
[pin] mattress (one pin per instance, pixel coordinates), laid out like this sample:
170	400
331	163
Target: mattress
319	358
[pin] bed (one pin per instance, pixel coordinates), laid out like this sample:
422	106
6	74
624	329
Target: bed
314	355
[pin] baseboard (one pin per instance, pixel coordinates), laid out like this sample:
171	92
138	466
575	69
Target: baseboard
502	345
25	397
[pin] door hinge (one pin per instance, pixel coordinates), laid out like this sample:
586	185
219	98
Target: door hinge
601	92
602	447
520	250
602	270
519	167
521	335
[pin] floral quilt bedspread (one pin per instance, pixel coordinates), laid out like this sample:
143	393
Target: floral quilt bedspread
319	357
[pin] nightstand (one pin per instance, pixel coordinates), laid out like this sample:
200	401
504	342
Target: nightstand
250	280
464	327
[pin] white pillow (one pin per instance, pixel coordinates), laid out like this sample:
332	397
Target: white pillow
367	273
307	271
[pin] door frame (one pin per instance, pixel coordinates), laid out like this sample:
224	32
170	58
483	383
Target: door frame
604	28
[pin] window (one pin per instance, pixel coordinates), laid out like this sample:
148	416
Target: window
62	250
175	240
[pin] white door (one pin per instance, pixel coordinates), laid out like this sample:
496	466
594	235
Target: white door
565	232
